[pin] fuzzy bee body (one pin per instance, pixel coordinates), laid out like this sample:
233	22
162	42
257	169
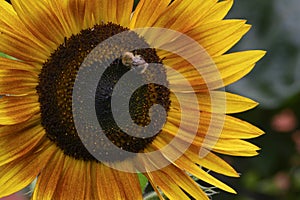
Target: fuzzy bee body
136	62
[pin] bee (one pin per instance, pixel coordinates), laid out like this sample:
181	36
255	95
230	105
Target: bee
136	62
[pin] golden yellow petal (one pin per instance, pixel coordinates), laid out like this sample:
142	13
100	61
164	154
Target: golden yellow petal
21	172
129	182
234	66
154	186
228	102
80	16
236	103
147	12
220	140
49	177
41	21
74	15
166	184
236	128
14	110
246	153
64	15
105	182
228	69
181	15
218	12
20	47
230	127
21	90
184	162
17	82
16	40
210	161
9	64
7	74
123	11
185	182
8	11
74	173
218	37
95	12
226	145
14	146
215	102
190	74
119	11
174	117
13	129
90	192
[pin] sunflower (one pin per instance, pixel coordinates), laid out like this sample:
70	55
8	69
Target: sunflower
67	60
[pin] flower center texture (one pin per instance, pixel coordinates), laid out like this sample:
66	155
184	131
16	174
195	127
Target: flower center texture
55	89
56	81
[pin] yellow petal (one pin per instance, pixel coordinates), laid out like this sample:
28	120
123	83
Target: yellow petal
74	173
17	82
224	126
48	179
16	40
20	173
210	161
167	185
16	128
147	12
192	168
215	102
34	15
226	145
236	128
218	37
106	182
231	103
7	74
154	186
123	11
129	183
221	136
221	71
246	153
236	103
75	15
234	66
231	127
14	146
63	11
218	12
181	15
190	74
9	64
14	110
189	166
185	182
185	163
120	11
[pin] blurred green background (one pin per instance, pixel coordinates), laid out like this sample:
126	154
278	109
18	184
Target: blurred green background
275	84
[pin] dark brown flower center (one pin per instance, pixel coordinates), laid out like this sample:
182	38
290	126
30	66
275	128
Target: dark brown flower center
55	89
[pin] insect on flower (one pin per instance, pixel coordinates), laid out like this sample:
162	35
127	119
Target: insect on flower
134	61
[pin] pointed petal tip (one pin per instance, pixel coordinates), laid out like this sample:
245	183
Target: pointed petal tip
258	53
